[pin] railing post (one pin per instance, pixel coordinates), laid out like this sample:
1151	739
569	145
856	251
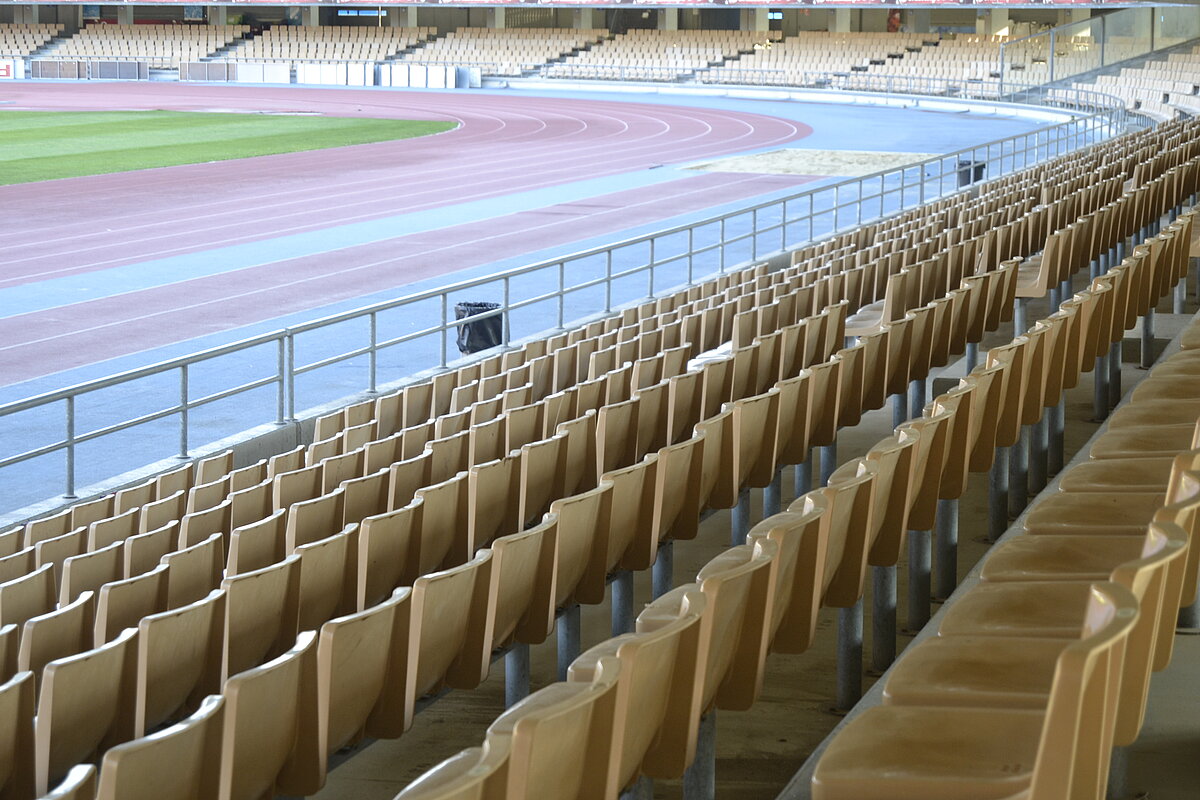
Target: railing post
1053	35
608	280
507	325
653	262
291	376
282	391
373	356
183	411
445	328
562	287
691	256
70	411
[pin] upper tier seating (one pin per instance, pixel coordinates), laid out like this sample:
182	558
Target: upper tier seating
644	54
506	51
162	46
21	39
327	42
1159	89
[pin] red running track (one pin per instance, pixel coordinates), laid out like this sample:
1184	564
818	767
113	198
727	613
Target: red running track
503	143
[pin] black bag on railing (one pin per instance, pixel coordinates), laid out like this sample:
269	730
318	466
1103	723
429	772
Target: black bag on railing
480	334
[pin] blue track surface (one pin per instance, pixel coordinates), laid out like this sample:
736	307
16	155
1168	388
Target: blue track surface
834	127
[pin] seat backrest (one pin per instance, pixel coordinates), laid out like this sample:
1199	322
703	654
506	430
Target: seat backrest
85	706
16	737
312	520
180	762
443	528
477	773
800	564
260	614
194	571
630	536
1147	579
582	532
520	594
447	609
893	459
270	743
80	784
116	528
56	634
718	483
121	604
1077	732
735	632
353	653
29	596
144	551
180	653
561	737
929	463
328	571
492	500
258	544
542	466
755	424
91	570
656	713
847	522
677	504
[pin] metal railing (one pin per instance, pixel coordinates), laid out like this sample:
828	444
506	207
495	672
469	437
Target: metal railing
401	337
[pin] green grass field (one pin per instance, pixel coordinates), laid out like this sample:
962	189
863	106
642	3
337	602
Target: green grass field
41	145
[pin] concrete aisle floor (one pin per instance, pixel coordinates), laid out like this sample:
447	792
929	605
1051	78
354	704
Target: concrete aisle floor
758	751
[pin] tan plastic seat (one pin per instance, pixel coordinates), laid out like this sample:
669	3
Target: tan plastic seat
181	762
312	520
160	512
677	503
493	488
561	736
257	545
899	752
270	743
353	654
57	634
198	526
260	614
91	570
477	773
442	533
180	653
1016	671
520	593
145	551
80	784
194	571
387	553
447	630
8	651
630	538
121	604
799	574
327	577
16	736
85	707
120	527
581	525
654	712
30	596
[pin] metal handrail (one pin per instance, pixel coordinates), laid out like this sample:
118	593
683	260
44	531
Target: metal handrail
799	220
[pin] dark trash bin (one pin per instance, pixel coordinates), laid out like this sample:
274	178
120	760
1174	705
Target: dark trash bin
970	172
479	334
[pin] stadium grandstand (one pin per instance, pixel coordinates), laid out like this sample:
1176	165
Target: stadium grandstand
572	401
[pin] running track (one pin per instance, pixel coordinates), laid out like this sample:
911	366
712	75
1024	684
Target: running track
59	229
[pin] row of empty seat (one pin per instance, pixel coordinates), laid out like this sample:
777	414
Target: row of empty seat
290	511
21	39
1159	89
645	726
507	51
328	43
162	46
